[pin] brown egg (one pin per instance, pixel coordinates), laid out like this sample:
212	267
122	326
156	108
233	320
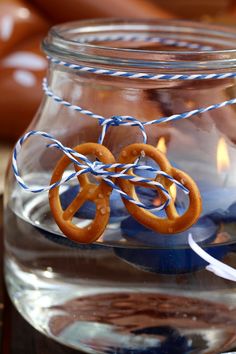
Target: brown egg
226	17
59	10
195	9
18	21
21	74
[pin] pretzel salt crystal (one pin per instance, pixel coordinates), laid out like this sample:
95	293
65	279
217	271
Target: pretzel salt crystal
174	222
98	194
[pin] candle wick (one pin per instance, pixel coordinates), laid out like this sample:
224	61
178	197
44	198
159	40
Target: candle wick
226	179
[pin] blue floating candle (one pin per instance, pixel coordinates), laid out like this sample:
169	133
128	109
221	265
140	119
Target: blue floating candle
219	203
227	216
88	210
167	254
118	210
203	231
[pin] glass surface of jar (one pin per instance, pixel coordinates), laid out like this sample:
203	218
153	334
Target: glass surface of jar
134	289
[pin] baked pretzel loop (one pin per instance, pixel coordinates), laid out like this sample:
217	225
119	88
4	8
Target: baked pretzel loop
173	223
98	194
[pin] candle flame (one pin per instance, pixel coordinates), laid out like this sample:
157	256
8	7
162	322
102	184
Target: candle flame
222	156
173	191
161	145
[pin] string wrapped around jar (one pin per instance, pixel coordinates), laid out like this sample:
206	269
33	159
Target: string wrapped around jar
119	187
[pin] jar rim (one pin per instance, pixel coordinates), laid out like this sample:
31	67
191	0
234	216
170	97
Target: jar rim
68	41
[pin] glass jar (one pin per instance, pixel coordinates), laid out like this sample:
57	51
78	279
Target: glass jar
134	289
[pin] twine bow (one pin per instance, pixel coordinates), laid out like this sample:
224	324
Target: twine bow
96	168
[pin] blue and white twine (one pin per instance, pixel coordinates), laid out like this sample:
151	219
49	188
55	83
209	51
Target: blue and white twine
117	120
129	120
106	171
145	76
97	169
131	75
144	38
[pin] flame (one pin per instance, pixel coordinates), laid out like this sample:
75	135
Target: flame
161	145
173	191
222	156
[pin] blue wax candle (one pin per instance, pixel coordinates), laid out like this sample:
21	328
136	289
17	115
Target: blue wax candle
167	254
219	203
88	209
226	216
118	210
203	231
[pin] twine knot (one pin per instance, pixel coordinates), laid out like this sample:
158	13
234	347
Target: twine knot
116	120
111	121
96	168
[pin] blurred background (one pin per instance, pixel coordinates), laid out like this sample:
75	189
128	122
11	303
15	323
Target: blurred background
23	24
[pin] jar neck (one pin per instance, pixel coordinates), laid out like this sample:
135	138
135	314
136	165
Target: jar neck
90	43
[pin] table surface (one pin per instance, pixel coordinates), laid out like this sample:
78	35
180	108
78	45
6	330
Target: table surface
5	152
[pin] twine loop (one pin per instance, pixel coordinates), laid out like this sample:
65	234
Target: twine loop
118	121
104	170
97	168
108	172
113	121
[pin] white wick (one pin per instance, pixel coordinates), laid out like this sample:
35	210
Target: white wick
217	267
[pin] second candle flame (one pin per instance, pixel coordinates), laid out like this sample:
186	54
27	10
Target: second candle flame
161	146
222	156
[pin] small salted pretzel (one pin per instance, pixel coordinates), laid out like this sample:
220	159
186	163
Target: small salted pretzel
174	222
98	194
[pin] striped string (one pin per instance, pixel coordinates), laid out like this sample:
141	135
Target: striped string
120	120
137	38
104	122
105	171
146	76
129	120
100	168
143	38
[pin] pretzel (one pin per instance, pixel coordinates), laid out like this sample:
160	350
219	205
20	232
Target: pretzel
98	194
174	222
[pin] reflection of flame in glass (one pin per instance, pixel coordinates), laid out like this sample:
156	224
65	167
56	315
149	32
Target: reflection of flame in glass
222	156
173	191
161	145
